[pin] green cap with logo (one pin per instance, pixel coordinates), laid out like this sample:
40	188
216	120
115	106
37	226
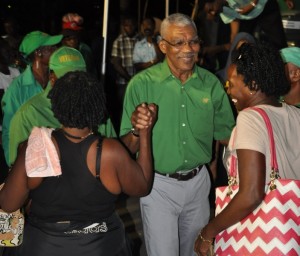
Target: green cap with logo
36	39
66	59
292	55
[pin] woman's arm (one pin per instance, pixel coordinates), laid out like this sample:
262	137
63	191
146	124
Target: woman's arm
127	175
140	119
251	165
15	191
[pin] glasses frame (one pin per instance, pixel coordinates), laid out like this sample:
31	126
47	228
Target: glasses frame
190	43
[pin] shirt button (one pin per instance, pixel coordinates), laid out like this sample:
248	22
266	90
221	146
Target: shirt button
183	142
183	124
182	105
185	161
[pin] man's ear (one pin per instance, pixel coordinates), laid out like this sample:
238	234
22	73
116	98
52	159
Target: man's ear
162	46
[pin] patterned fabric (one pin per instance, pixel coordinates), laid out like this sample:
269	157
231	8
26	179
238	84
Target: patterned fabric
272	228
41	156
123	48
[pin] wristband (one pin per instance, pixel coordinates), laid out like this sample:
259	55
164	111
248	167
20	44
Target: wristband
134	132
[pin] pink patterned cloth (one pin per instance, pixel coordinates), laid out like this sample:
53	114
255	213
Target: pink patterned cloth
41	158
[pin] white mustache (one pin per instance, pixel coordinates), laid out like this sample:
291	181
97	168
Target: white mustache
187	55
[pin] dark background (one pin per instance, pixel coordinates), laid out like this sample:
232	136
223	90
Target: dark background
45	15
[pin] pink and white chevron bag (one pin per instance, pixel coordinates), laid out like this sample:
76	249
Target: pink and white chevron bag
273	228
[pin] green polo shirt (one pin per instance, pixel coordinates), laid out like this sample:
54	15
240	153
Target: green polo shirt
190	116
37	112
20	90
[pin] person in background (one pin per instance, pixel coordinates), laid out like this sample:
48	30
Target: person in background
249	15
193	110
37	111
146	51
122	61
7	72
37	46
240	38
12	33
14	39
291	56
256	78
72	209
71	30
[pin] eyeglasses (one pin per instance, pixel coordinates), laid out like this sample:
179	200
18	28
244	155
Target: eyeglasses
181	44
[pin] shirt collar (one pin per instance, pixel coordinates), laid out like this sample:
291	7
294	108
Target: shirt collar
166	72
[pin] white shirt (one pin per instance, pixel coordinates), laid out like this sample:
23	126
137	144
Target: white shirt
5	80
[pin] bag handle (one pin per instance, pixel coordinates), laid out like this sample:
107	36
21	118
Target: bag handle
274	175
274	164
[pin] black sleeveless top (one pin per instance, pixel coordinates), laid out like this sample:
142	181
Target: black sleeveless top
76	194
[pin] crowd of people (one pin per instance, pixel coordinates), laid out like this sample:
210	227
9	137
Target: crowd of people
161	141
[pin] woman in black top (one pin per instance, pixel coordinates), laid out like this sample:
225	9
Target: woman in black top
73	214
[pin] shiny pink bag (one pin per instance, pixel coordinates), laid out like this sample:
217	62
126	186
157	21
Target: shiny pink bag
273	228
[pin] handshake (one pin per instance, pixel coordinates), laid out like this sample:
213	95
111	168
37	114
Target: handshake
144	117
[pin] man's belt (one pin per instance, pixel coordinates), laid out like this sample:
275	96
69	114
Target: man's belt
183	176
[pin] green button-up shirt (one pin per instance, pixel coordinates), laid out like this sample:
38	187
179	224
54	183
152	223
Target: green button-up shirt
37	112
190	115
20	90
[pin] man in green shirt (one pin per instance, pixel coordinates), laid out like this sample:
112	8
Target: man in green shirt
37	111
193	109
37	47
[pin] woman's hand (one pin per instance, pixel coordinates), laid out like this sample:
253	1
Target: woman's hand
144	116
202	245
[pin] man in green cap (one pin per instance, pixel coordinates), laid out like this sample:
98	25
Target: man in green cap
291	56
37	47
37	111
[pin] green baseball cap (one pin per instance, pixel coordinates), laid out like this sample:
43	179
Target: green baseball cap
36	39
66	59
292	55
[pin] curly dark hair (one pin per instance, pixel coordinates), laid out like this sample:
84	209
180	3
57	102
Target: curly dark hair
262	68
78	101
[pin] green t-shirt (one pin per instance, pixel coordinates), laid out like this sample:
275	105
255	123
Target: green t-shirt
190	116
37	112
21	89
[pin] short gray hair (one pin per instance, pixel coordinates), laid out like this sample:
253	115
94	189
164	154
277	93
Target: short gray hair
178	19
